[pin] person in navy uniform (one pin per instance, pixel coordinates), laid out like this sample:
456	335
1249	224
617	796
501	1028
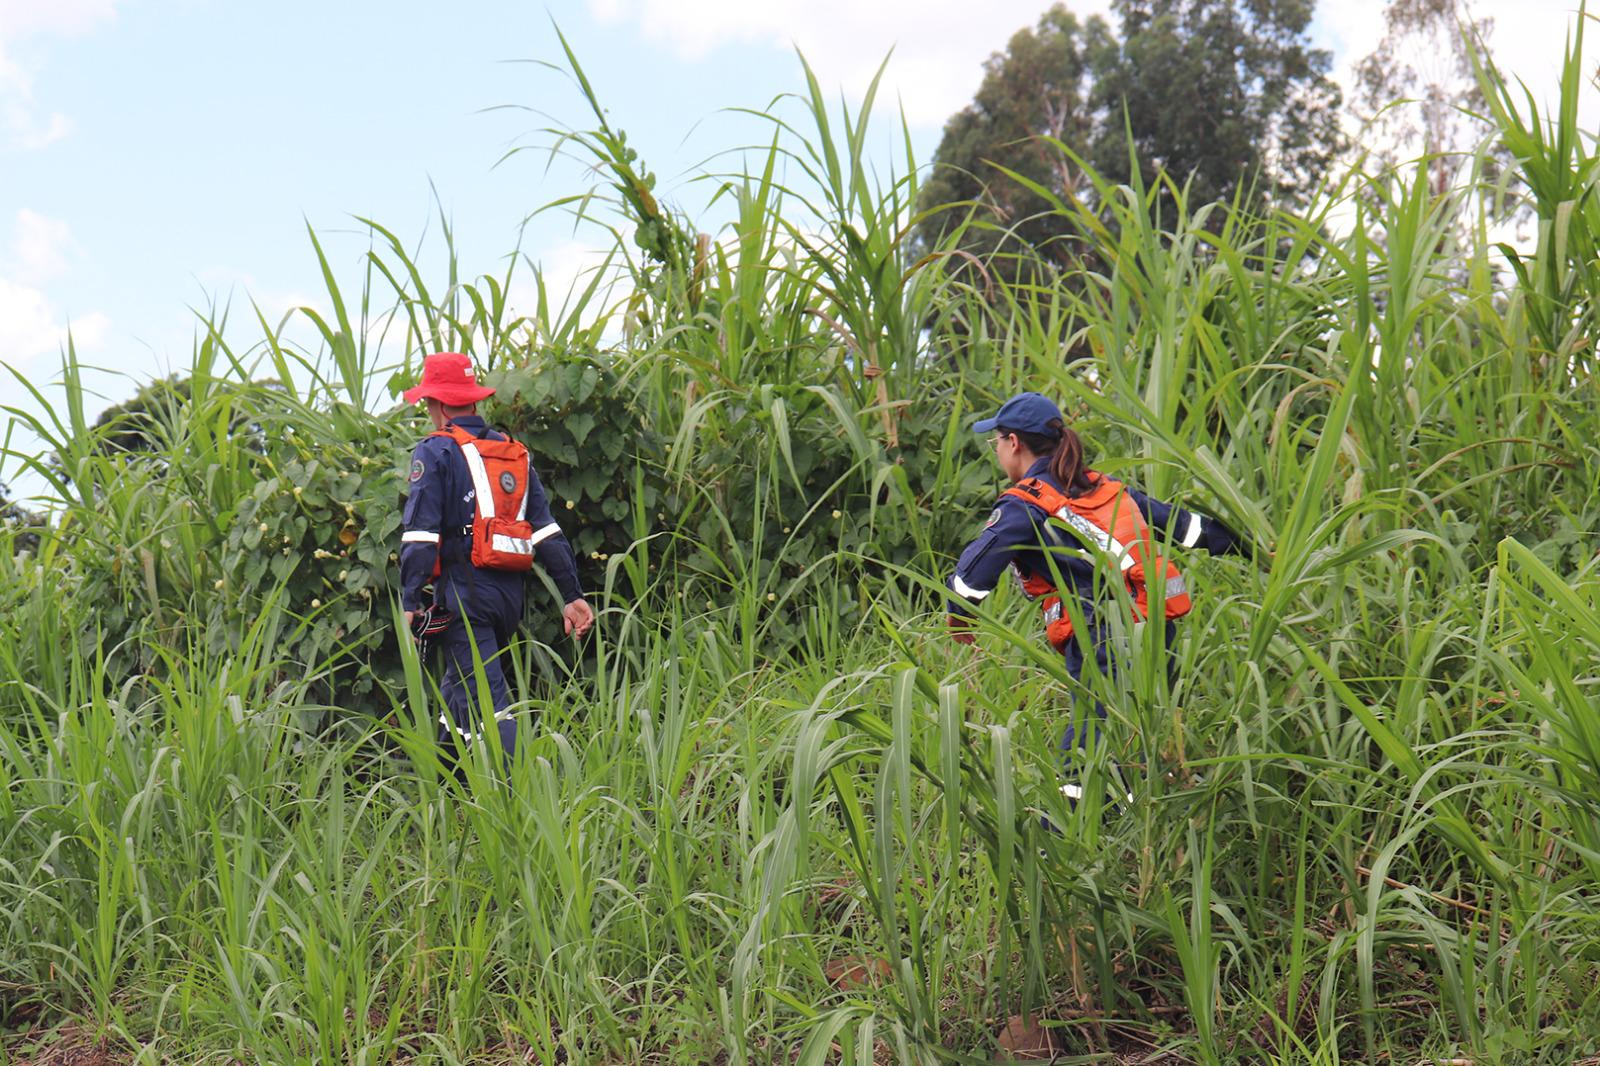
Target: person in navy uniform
1066	530
471	605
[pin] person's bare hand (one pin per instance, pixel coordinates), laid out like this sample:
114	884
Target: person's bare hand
409	616
577	617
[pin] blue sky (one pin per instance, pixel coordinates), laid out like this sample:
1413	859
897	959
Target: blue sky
155	154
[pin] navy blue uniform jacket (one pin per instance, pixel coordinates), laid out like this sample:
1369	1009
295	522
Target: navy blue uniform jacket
1018	533
438	526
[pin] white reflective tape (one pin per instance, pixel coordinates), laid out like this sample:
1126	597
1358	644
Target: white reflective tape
1074	793
480	480
1191	536
1098	537
966	591
418	536
512	545
1177	586
545	533
467	735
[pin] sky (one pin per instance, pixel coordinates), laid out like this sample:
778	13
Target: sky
159	156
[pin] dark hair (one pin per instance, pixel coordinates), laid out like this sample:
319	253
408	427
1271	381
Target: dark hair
1067	462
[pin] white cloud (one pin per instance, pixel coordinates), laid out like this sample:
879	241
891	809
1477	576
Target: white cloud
24	124
566	269
31	327
21	125
42	245
238	289
30	323
19	18
939	45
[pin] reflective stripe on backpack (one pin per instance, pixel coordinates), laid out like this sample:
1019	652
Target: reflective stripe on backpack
499	471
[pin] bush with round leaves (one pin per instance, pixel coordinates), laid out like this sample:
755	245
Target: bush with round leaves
589	442
317	535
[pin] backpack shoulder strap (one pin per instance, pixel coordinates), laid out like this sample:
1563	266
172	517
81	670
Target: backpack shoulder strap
1039	493
455	433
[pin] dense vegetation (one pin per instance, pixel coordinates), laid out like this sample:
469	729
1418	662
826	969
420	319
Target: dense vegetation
771	813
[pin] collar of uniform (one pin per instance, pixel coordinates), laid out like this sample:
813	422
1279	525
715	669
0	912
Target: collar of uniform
473	424
1041	469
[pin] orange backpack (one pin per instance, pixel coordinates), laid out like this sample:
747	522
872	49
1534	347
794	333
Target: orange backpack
502	537
1107	517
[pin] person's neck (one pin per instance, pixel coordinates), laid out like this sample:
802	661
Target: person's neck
1028	463
444	419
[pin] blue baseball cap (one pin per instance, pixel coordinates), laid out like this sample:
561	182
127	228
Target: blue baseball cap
1027	412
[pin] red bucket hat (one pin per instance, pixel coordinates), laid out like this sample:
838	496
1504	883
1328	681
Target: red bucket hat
447	377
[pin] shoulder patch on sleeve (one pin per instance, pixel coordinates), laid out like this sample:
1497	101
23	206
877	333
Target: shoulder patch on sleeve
416	470
994	516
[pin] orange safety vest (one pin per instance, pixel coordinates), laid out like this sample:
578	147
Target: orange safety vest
1108	518
502	538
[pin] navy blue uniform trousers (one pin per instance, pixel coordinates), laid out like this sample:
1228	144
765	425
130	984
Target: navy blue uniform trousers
1099	639
460	684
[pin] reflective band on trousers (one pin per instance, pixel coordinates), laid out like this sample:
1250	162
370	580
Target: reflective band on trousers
1075	792
418	536
1191	536
468	735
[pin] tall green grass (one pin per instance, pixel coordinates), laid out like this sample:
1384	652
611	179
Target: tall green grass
771	813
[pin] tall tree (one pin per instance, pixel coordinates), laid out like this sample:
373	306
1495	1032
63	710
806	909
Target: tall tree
1039	87
140	423
1228	94
1417	92
146	422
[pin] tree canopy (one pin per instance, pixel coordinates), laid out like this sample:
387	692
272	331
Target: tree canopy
1227	95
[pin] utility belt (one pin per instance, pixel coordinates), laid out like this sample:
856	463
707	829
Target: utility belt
455	544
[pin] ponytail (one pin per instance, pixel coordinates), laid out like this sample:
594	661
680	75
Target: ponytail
1067	464
1065	449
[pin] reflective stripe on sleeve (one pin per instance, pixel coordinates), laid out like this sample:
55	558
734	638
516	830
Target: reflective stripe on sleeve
1191	536
418	536
966	591
545	533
